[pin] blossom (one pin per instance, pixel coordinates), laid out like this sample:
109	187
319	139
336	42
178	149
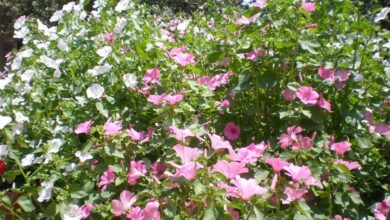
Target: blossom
184	59
187	154
112	128
382	129
28	160
248	154
187	171
341	76
173	99
123	205
218	143
3	150
259	3
301	173
288	139
45	193
348	164
95	91
152	76
150	212
157	169
382	209
107	178
216	81
326	74
341	147
104	51
232	131
74	212
2	167
308	6
289	95
293	194
135	135
230	169
254	55
83	156
84	127
339	217
157	99
276	163
99	70
247	188
109	37
130	80
324	104
180	134
137	169
307	95
4	120
246	21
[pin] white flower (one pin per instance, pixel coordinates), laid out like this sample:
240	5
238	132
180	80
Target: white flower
56	16
122	5
28	160
62	45
3	150
4	120
104	51
68	7
382	14
98	70
95	91
183	25
83	156
120	24
45	193
26	53
130	80
49	32
49	62
20	22
19	117
73	212
54	145
17	101
27	75
4	82
81	100
21	33
16	63
70	167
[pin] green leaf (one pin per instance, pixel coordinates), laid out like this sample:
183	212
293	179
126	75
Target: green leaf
216	213
355	197
78	194
25	204
101	109
256	214
306	113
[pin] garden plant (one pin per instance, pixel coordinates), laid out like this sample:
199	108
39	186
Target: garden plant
273	109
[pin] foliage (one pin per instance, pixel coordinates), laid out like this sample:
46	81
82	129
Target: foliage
120	112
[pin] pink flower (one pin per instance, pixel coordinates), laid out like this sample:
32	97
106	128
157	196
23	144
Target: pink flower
184	59
248	154
307	95
382	209
157	169
230	170
187	154
276	163
254	55
176	51
301	174
167	35
112	128
308	6
215	81
312	26
109	37
137	169
180	134
293	194
152	76
341	147
225	103
348	164
218	143
324	104
157	99
245	189
232	131
85	210
341	76
84	127
259	3
187	171
339	217
289	95
291	137
122	206
382	129
326	74
173	99
245	21
134	213
107	178
150	212
135	135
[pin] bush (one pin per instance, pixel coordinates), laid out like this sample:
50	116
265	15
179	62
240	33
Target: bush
272	111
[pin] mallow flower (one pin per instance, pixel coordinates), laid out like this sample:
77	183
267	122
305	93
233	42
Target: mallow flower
123	205
137	169
232	131
107	178
341	147
84	127
230	169
112	128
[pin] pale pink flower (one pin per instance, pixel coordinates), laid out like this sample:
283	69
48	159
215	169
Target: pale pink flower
173	99
187	154
187	171
259	3
150	212
218	143
312	26
382	129
276	163
107	178
123	205
341	76
249	154
134	213
291	137
167	35
324	104
301	174
308	6
76	212
112	128
152	76
144	90
109	37
137	169
349	164
382	210
213	82
307	95
84	127
176	51
326	74
246	189
232	131
293	194
230	169
246	21
184	59
289	95
180	134
254	55
157	99
341	147
339	217
85	210
135	135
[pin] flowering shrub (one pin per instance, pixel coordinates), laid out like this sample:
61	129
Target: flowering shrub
275	110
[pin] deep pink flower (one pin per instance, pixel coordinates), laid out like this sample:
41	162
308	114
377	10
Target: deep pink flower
152	76
254	55
157	169
85	210
324	104
382	129
150	212
291	137
112	128
307	95
249	154
122	206
245	189
225	103
84	127
134	213
109	37
276	163
107	178
382	210
230	170
213	82
157	99
341	147
293	194
173	99
187	154
218	143
326	74
349	164
232	131
289	95
135	135
234	213
308	6
301	174
137	169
